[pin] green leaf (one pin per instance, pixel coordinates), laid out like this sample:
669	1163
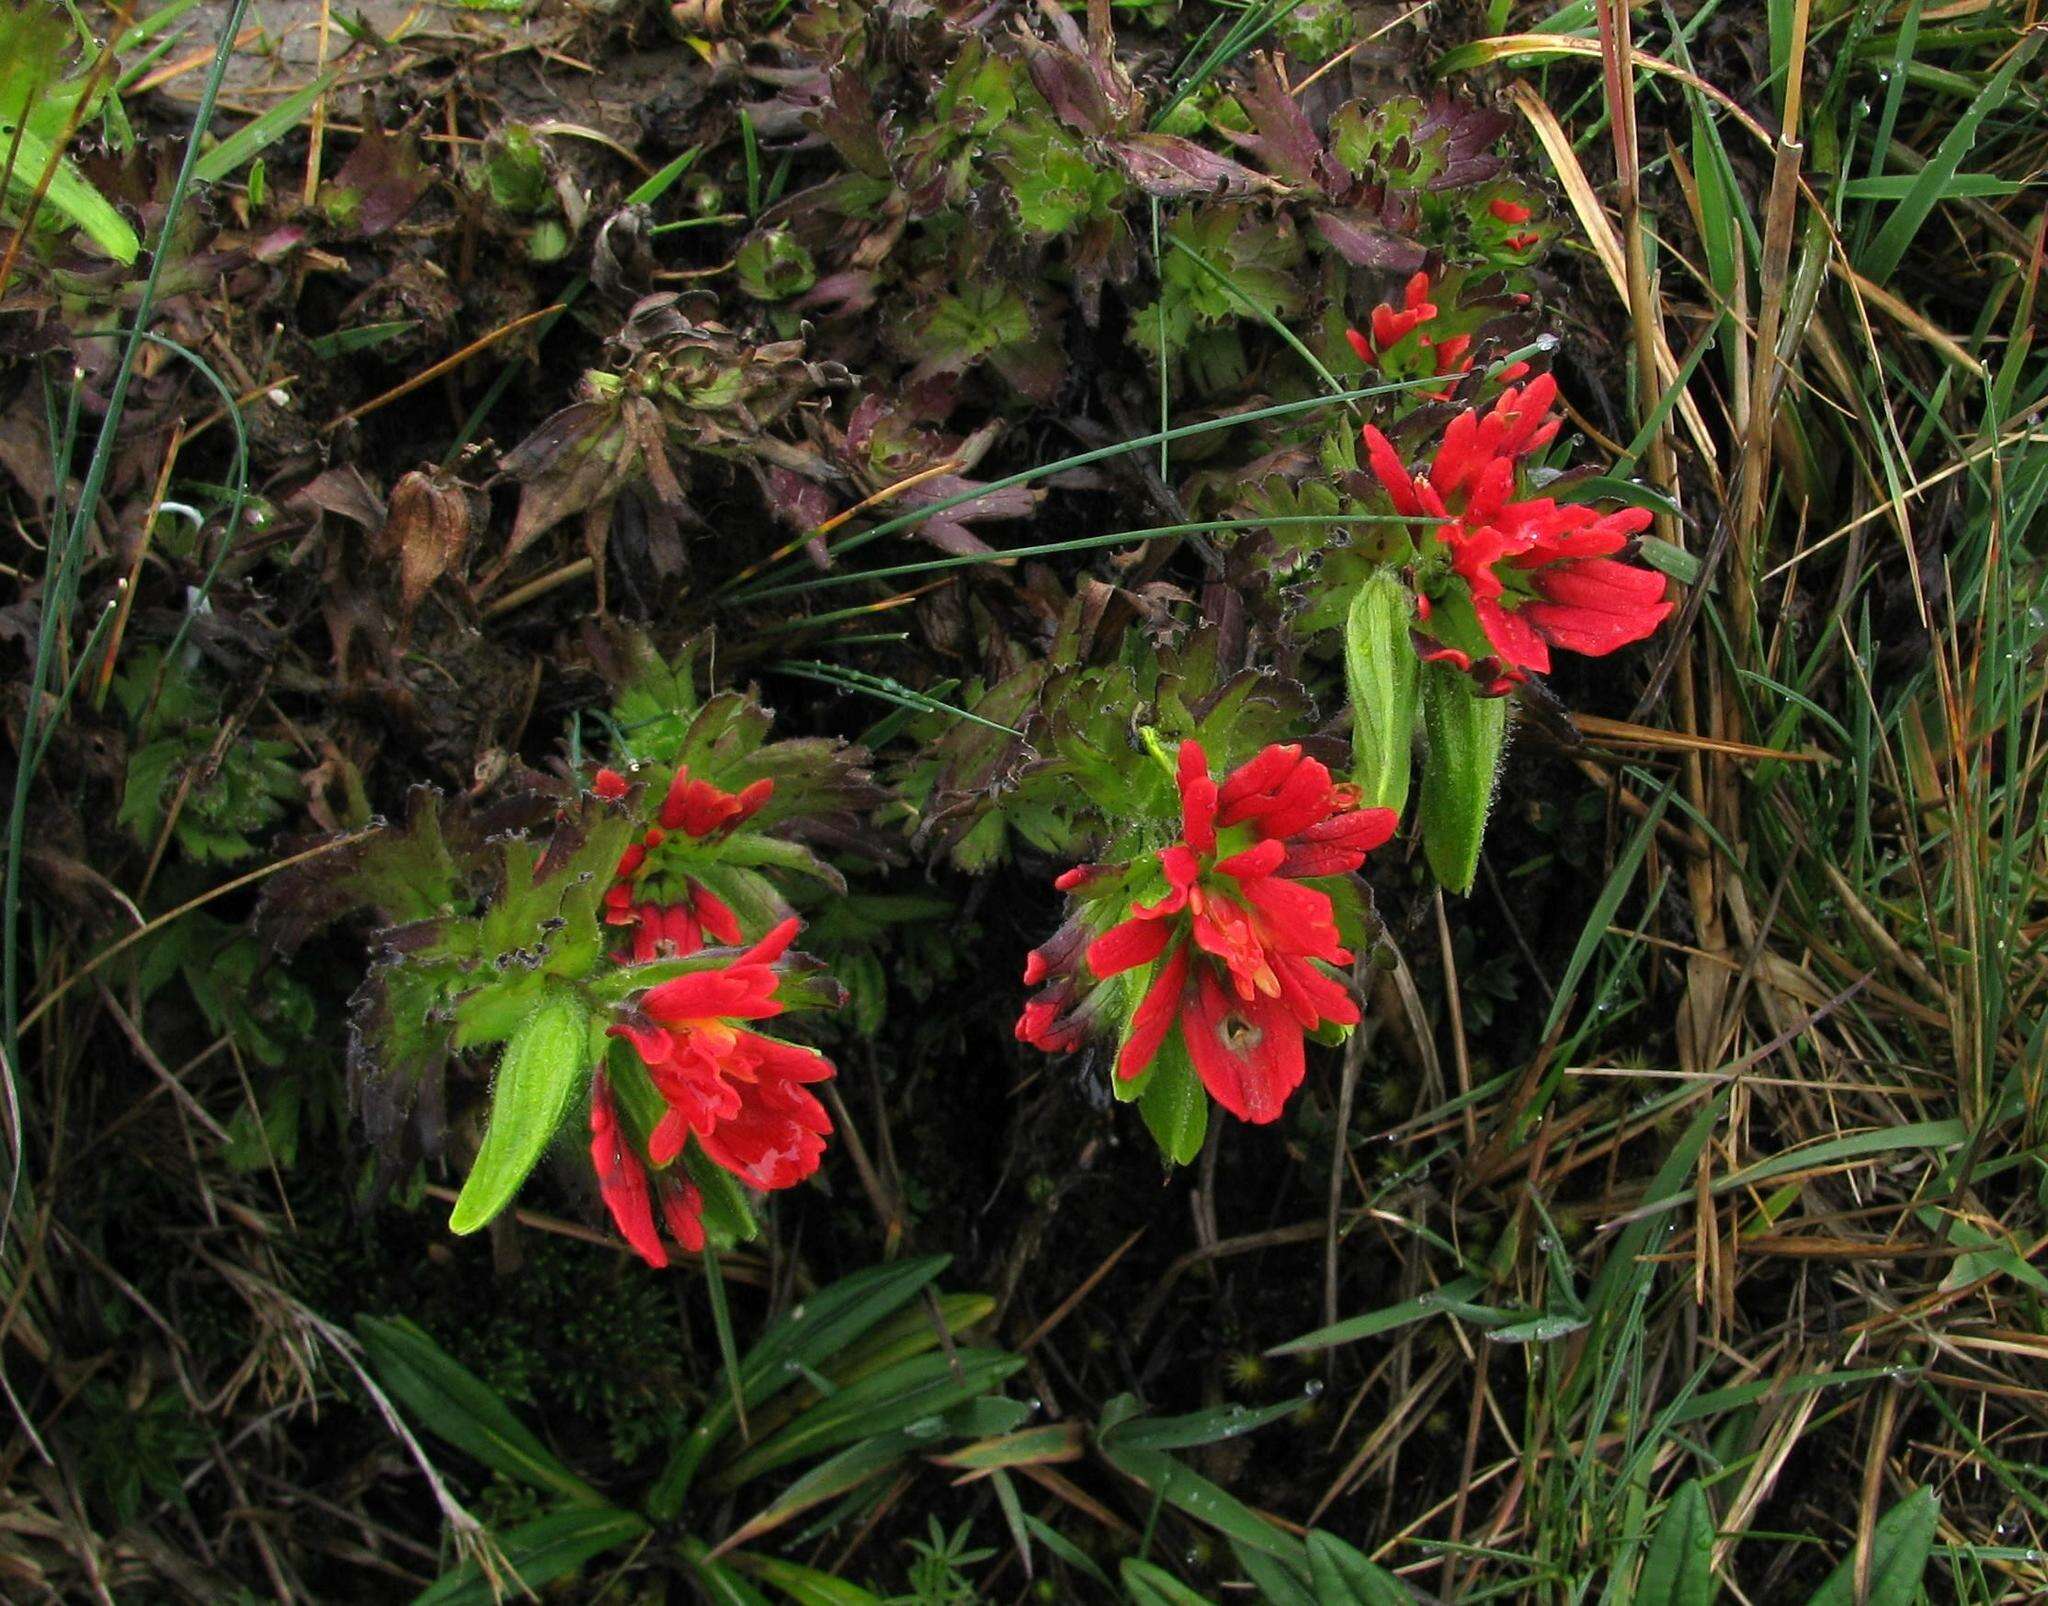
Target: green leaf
722	1584
1930	184
1948	1134
910	1393
540	1075
453	1403
804	1585
1437	1302
1344	1577
1466	735
1031	1447
1666	558
728	1218
1200	1427
1678	1568
858	1464
259	134
1899	1549
1202	1500
540	1552
1175	1104
1383	676
772	265
1148	1585
69	192
1270	1577
812	1333
255	1142
345	342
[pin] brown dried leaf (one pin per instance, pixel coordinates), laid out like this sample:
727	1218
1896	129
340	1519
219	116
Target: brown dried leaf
427	532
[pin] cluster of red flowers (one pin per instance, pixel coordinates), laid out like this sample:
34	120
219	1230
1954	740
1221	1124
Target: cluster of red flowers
1236	937
742	1096
693	811
1537	573
1449	355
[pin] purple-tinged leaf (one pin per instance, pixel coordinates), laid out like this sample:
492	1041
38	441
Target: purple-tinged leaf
1367	244
1282	138
847	118
1084	94
1172	168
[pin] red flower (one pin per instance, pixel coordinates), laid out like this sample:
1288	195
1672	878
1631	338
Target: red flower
1514	212
693	814
740	1094
1537	573
1238	939
1451	355
623	1185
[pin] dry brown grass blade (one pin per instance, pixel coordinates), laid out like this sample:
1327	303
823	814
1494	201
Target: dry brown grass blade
121	945
447	365
1072	1302
1607	247
1626	733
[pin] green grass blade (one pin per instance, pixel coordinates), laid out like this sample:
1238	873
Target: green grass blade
1931	184
454	1403
259	134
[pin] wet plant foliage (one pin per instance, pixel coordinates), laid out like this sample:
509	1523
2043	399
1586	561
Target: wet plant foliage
893	802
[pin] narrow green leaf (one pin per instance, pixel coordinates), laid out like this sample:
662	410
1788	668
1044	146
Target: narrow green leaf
1384	677
1930	184
541	1073
365	337
1147	1585
1343	1576
1466	734
909	1394
455	1404
1033	1447
829	1479
722	1584
1175	1104
1899	1549
810	1334
541	1551
1678	1568
1202	1500
1275	1584
1436	1302
70	192
1947	1134
1594	932
1066	1550
1199	1427
257	135
804	1585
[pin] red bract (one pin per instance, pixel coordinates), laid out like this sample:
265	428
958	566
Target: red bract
1537	573
623	1184
740	1094
1389	326
694	812
1238	939
1514	212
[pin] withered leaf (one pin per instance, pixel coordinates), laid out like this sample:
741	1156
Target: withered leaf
427	532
